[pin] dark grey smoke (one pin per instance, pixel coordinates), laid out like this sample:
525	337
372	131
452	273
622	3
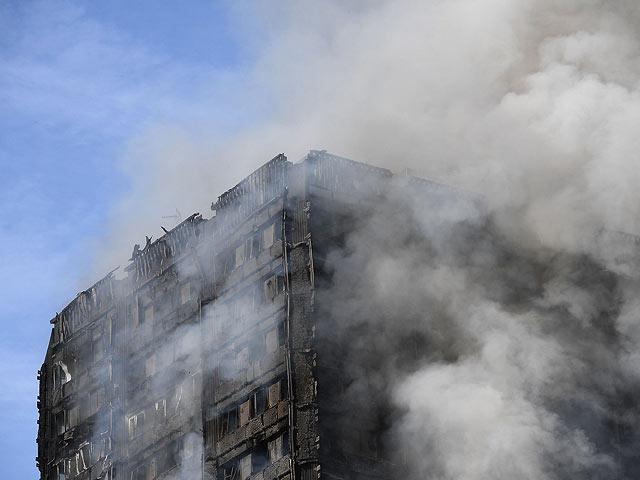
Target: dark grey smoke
485	359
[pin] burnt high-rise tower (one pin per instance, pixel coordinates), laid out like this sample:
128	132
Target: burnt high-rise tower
231	351
206	359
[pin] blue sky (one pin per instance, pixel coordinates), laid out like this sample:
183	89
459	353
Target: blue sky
78	81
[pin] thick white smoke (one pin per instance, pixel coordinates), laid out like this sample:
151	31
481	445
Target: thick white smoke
533	104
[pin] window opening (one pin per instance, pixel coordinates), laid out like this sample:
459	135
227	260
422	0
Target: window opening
267	236
136	424
185	293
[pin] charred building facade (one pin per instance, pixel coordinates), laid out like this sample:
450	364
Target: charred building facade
266	342
211	359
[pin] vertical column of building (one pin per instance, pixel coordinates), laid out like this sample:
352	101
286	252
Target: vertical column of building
245	406
160	420
301	330
76	388
44	421
340	194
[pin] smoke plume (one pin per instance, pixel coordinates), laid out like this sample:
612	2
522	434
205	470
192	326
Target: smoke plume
523	313
501	361
530	103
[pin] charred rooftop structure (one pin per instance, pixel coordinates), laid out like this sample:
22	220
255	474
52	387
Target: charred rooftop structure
234	348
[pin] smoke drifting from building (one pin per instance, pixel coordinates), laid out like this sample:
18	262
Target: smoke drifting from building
532	104
501	361
521	312
335	321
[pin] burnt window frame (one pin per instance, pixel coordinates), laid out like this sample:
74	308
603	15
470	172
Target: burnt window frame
137	430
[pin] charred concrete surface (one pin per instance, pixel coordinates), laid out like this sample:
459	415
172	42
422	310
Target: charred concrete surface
227	353
202	362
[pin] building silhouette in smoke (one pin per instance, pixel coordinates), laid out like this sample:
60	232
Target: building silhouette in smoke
206	361
254	345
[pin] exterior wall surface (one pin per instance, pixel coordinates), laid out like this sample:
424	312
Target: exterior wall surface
214	358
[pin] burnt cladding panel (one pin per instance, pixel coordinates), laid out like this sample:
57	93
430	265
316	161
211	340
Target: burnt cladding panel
262	186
